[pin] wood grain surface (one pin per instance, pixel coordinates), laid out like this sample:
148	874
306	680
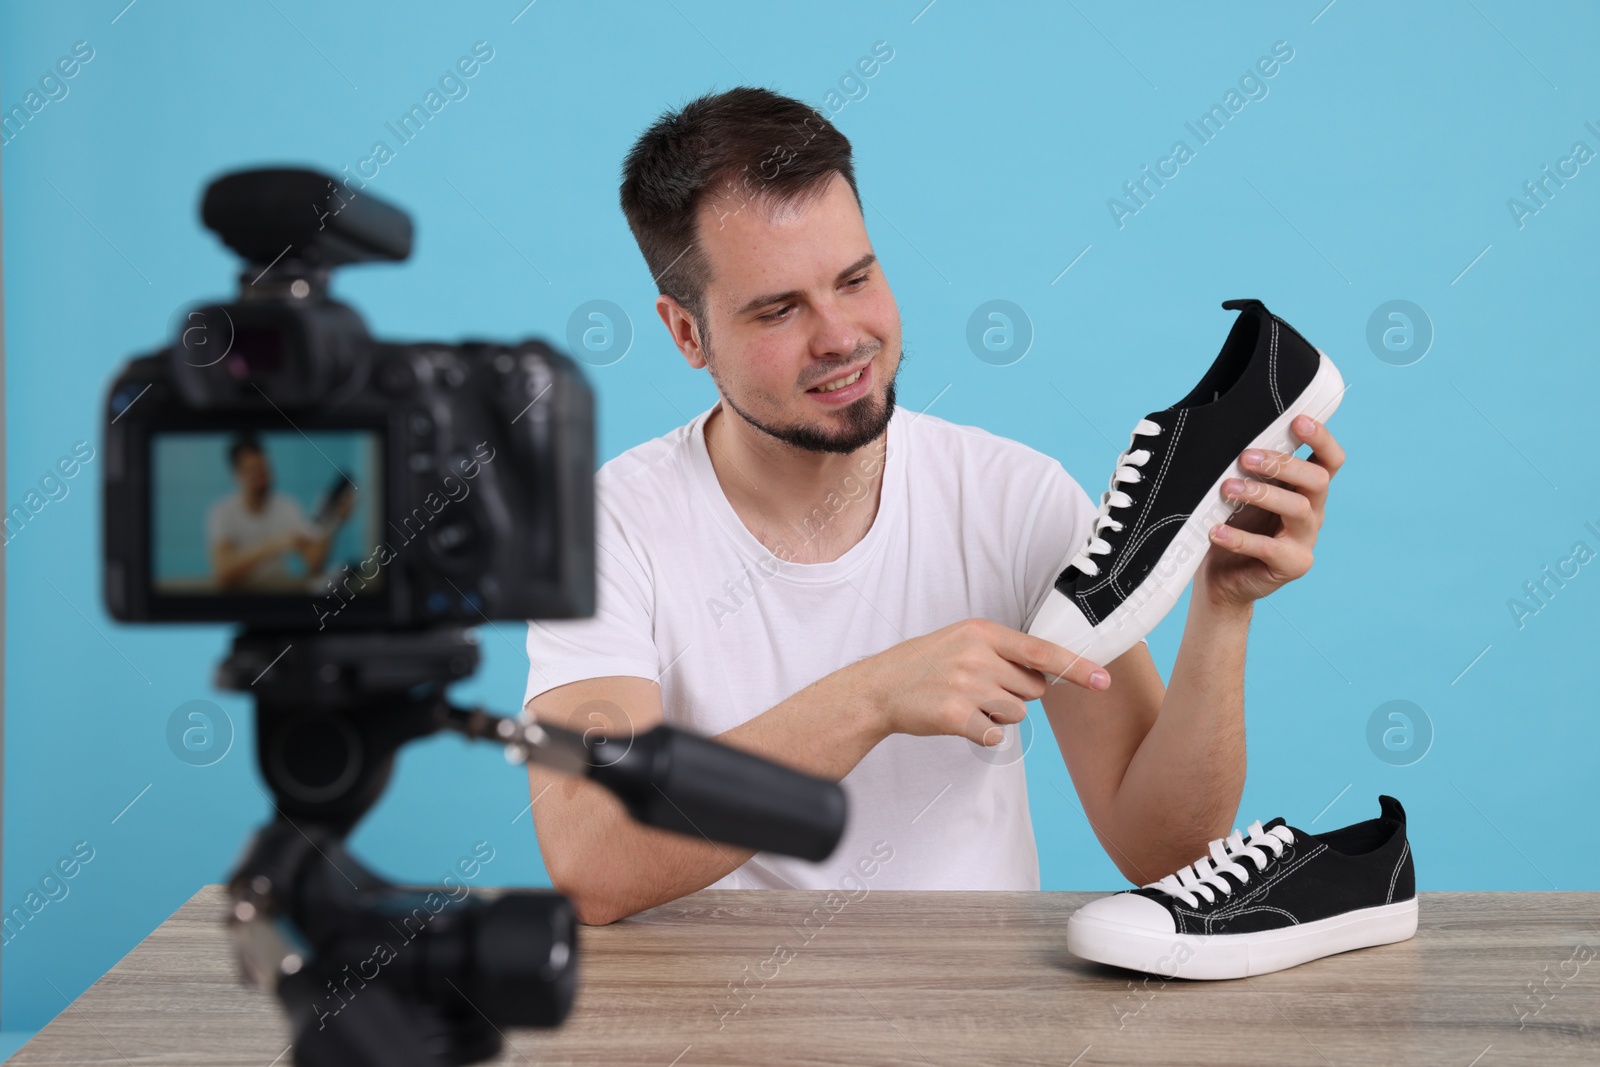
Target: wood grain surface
931	978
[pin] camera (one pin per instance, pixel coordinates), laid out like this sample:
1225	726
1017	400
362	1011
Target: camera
276	465
358	505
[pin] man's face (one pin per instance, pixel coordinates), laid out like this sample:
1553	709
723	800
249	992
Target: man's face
796	299
252	473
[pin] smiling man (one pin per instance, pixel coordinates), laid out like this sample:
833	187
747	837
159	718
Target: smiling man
810	572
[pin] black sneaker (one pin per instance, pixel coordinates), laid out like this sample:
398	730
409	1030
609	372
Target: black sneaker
1150	537
1278	898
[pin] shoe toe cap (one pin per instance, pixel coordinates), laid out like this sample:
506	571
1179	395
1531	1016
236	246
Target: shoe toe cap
1060	622
1132	910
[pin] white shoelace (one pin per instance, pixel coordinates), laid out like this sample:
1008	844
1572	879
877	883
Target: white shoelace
1203	877
1128	465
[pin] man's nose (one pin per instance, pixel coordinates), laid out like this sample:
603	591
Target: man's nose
836	335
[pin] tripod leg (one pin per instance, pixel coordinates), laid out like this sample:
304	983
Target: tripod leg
372	1027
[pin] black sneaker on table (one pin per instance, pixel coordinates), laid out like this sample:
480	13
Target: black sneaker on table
1271	898
1153	526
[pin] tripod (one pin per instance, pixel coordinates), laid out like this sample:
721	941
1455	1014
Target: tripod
374	973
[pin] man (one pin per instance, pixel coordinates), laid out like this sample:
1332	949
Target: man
842	585
253	530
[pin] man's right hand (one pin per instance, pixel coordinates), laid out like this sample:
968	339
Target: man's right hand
968	679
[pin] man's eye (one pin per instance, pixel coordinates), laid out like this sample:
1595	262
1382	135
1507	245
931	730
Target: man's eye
774	316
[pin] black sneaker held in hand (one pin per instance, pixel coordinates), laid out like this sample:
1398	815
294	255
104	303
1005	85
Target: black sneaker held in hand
1273	898
1153	526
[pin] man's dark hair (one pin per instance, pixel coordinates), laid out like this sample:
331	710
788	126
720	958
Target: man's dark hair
242	444
748	144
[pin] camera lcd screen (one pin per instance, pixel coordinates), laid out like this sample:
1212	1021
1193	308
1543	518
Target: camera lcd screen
262	512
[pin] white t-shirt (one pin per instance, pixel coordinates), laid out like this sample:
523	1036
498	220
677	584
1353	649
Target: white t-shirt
229	520
969	524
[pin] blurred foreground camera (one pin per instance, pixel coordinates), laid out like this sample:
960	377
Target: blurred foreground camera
275	465
357	505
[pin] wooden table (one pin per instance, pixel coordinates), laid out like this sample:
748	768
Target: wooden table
936	978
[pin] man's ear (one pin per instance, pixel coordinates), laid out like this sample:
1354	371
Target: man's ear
680	325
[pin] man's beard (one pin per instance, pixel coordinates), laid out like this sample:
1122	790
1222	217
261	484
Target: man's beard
865	418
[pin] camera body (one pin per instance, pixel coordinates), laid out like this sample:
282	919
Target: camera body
277	466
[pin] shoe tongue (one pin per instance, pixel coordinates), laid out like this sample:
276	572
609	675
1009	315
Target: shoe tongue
1163	417
1298	833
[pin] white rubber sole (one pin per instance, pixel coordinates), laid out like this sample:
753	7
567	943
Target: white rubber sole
1217	956
1059	619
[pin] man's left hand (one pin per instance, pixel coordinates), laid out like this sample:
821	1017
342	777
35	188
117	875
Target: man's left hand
1269	540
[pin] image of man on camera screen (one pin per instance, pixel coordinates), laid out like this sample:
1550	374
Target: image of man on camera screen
252	532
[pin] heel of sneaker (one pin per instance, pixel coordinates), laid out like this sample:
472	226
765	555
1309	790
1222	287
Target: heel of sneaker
1319	399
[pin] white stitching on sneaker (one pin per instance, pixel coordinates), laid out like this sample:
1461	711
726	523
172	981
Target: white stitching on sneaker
1203	879
1272	367
1083	602
1396	875
1144	535
1127	470
1247	911
1166	460
1254	896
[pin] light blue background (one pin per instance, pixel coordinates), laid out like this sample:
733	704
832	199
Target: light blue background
1378	167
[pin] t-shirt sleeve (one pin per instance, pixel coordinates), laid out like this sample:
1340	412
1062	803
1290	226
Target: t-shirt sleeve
1063	519
619	637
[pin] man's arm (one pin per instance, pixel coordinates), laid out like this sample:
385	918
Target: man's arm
1160	769
610	865
231	564
1160	774
968	679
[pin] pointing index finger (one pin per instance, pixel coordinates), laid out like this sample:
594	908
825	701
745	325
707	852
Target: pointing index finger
1058	664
